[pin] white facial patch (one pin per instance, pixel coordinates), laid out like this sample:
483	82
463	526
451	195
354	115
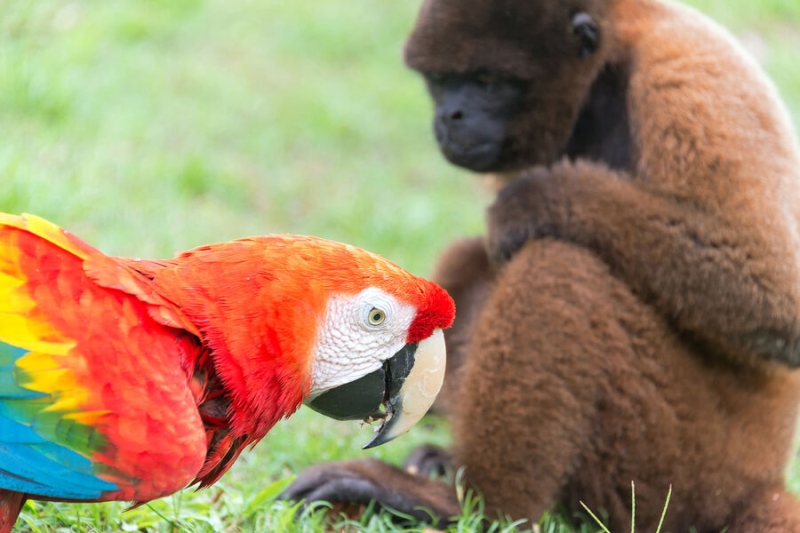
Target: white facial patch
360	332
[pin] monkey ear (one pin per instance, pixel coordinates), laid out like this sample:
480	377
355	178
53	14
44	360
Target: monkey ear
584	26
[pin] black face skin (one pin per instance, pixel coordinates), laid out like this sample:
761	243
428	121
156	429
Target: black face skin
503	120
472	116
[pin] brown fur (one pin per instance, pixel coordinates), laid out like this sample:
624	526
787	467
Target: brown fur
646	324
573	388
712	190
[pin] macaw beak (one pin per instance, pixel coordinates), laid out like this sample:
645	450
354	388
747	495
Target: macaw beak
405	387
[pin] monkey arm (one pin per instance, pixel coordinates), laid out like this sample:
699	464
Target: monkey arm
731	285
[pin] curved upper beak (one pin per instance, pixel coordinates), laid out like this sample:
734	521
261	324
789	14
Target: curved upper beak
405	387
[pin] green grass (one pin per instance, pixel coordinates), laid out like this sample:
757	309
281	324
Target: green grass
148	127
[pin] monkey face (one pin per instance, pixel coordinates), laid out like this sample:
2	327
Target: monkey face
507	77
472	117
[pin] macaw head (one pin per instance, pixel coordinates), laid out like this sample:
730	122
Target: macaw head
380	354
293	320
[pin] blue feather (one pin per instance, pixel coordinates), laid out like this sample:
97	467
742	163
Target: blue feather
28	461
25	467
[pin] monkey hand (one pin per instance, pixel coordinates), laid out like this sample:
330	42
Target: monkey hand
530	207
370	480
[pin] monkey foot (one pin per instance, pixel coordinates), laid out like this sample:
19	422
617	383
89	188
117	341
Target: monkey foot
370	480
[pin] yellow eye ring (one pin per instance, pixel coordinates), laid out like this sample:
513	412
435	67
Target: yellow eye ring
376	316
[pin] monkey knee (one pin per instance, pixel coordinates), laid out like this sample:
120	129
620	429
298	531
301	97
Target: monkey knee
556	268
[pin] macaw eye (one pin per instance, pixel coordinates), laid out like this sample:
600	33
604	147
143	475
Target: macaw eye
376	316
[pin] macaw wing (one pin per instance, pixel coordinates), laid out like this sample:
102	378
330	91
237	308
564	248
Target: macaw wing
95	400
31	463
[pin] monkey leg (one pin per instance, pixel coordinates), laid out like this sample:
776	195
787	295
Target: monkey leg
524	412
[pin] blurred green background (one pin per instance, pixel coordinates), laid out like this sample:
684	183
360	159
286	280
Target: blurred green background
150	126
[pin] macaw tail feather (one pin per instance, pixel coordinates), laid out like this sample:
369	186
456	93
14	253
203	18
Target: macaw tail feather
10	505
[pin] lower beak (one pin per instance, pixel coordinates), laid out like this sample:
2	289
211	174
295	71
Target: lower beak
405	386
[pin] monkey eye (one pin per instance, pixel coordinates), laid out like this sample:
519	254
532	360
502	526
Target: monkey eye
488	81
437	80
584	26
486	78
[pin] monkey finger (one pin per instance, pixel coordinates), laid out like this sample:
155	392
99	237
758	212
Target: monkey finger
427	460
306	486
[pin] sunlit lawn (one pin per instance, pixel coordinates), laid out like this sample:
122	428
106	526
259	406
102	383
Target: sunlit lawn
148	126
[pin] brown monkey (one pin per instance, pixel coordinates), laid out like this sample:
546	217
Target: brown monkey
645	319
707	161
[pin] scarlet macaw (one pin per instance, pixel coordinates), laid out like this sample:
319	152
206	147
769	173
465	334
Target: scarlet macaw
127	379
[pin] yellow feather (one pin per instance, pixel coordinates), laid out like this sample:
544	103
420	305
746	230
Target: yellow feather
44	229
45	372
16	325
46	375
21	332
